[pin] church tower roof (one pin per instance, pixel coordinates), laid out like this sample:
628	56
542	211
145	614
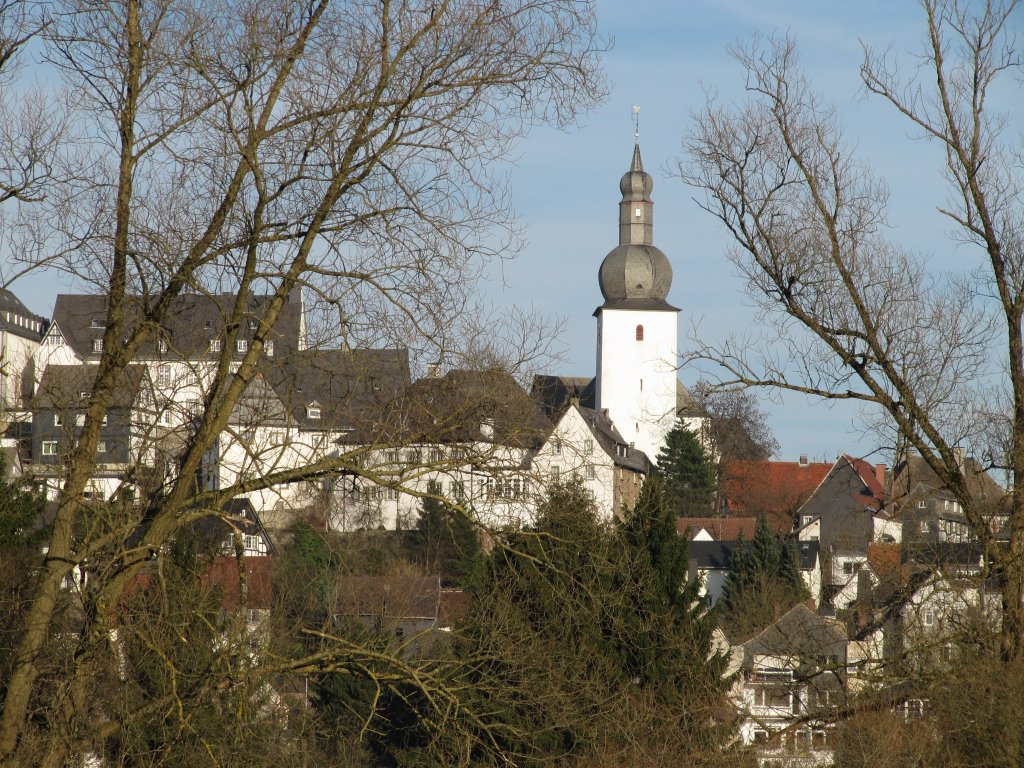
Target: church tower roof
636	274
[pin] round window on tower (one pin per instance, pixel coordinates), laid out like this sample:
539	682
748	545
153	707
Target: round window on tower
639	333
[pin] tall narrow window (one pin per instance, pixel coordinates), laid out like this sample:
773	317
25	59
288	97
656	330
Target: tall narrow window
639	333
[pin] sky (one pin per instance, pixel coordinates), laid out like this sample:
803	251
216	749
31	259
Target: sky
666	56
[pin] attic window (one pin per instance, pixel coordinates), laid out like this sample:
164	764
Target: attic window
97	345
313	410
639	333
208	324
96	323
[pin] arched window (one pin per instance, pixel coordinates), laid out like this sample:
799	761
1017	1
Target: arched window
639	333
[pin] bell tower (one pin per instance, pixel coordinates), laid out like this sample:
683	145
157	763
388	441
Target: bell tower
636	328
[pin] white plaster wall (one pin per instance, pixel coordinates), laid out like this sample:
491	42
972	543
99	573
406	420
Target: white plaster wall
636	380
14	357
575	450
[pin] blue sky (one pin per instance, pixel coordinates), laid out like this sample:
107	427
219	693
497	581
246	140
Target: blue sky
666	55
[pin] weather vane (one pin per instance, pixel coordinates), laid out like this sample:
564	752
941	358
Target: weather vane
636	122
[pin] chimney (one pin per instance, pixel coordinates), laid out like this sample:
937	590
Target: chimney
803	460
880	474
958	453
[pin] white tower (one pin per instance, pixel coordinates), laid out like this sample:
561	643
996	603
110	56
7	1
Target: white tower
636	327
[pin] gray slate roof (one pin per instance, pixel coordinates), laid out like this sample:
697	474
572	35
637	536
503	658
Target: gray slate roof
12	308
62	387
192	321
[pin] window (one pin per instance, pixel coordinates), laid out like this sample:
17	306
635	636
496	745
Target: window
49	448
162	347
252	543
808	519
591	472
191	378
436	454
850	567
929	618
639	333
241	345
269	347
924	526
208	324
57	420
215	345
313	410
588	447
556	446
415	456
556	472
79	419
84	395
163	376
922	504
457	490
101	447
96	323
97	345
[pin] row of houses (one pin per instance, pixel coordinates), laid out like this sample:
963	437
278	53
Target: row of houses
896	581
474	437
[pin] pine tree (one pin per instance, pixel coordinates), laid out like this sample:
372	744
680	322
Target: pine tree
444	541
687	473
762	583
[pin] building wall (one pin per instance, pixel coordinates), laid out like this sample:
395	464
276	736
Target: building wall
636	380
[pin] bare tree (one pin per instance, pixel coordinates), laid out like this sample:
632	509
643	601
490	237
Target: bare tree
857	317
248	147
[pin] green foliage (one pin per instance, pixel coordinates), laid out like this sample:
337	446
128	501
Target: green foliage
21	509
687	473
763	582
592	635
444	541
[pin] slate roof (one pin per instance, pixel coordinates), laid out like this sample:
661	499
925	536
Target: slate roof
466	406
773	488
191	322
798	633
720	528
349	386
389	597
554	393
12	308
912	479
213	529
716	555
613	443
62	386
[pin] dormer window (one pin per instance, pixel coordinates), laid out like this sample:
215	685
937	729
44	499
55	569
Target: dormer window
241	345
96	323
162	347
83	395
313	410
208	324
97	345
215	345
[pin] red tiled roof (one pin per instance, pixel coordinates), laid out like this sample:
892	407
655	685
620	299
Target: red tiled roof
873	477
773	488
720	528
884	560
223	575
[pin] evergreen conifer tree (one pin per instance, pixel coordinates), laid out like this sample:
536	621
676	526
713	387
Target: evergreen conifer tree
687	473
